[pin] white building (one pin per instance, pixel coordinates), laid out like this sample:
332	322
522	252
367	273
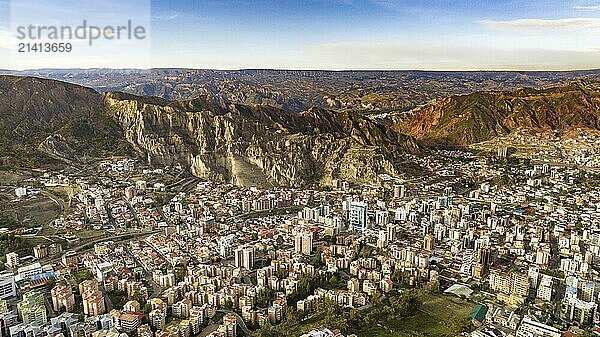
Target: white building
20	191
8	287
103	269
323	332
382	240
29	271
531	328
546	288
12	260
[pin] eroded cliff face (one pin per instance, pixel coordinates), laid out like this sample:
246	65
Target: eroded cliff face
258	145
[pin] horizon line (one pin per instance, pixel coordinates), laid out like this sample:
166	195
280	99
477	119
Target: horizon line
309	69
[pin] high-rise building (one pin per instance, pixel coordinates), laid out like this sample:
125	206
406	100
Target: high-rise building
70	259
230	324
428	242
478	271
391	232
448	191
88	286
588	291
534	276
399	191
542	256
182	308
184	328
157	303
382	240
7	320
244	257
484	256
32	308
358	216
132	306
303	243
93	304
63	298
12	260
40	251
157	319
502	152
129	321
196	319
3	307
546	288
8	287
238	257
93	300
510	283
20	191
382	218
581	312
249	258
521	284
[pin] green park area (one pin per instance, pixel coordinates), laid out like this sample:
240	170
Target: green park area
439	315
413	313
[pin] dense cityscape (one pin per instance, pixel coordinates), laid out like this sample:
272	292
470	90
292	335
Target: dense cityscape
499	246
299	168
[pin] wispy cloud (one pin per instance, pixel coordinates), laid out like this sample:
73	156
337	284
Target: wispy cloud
542	25
440	56
587	8
165	16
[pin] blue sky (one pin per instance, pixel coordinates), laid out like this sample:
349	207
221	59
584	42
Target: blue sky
372	34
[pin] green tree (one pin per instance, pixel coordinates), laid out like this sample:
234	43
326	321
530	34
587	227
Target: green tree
317	260
180	271
282	273
455	326
83	275
264	297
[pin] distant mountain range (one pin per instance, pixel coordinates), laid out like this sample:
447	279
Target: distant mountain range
46	122
299	90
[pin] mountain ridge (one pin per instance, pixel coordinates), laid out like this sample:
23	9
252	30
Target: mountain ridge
461	120
256	143
32	109
215	138
288	148
366	91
